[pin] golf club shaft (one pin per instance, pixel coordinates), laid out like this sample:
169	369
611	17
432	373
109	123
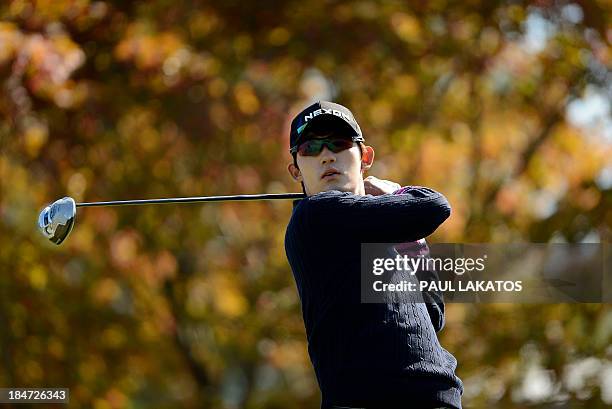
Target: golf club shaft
264	196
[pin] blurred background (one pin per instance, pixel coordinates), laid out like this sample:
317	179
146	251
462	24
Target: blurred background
504	106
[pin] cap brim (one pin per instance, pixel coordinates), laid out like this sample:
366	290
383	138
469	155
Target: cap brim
324	123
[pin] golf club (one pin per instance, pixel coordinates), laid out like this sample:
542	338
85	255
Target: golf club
56	220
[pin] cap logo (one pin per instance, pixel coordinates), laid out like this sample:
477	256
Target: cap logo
328	111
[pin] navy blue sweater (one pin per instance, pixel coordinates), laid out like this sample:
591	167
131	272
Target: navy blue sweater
368	355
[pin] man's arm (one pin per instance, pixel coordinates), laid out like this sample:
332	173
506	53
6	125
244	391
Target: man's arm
434	300
389	218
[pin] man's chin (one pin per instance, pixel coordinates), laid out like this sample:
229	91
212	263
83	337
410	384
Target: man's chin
332	185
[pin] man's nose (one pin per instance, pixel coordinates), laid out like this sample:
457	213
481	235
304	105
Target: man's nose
327	156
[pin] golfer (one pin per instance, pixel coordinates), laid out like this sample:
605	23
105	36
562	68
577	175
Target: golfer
379	355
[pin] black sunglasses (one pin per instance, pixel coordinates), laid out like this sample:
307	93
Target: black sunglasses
313	147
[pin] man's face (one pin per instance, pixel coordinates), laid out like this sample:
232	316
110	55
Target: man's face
328	170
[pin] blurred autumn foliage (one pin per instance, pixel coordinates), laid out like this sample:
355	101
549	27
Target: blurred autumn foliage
504	106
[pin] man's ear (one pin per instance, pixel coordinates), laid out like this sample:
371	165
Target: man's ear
367	158
295	173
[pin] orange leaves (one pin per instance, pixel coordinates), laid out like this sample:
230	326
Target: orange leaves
279	36
113	337
201	23
228	299
11	40
151	269
165	53
46	62
247	100
38	277
406	86
587	199
217	87
216	292
77	184
106	291
572	156
285	355
381	113
138	127
406	27
35	136
489	40
114	398
91	367
220	116
39	12
124	248
118	100
52	61
510	198
146	47
166	265
105	220
442	162
248	179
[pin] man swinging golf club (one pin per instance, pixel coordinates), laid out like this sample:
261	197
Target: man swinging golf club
384	355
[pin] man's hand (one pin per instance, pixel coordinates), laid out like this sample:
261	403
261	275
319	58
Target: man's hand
376	187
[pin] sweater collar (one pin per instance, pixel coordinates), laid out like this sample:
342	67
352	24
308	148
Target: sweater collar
296	202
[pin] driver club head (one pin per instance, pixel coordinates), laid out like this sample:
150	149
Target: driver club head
55	222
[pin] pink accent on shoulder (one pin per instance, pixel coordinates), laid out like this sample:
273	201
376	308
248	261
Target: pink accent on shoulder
402	190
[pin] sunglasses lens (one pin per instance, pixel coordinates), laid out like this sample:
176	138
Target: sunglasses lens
313	147
338	145
310	148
